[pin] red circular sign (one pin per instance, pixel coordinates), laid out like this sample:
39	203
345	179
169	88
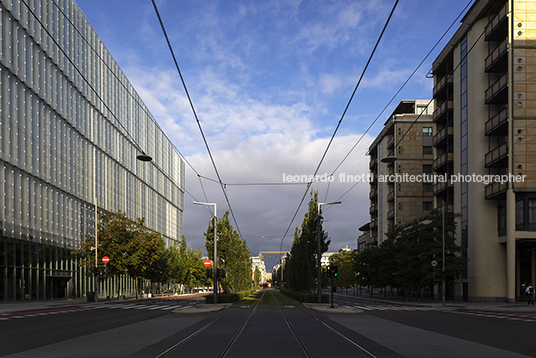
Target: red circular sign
105	259
207	263
434	263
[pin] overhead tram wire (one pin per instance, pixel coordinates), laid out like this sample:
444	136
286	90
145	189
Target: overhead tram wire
197	118
342	117
402	87
416	119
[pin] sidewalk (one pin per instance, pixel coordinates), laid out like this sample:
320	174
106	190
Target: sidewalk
495	307
21	306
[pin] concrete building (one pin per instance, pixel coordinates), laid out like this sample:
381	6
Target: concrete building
399	192
258	262
71	126
485	98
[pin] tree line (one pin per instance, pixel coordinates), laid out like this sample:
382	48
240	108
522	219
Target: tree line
138	252
402	261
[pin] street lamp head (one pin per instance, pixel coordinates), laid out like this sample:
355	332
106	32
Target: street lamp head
144	157
388	159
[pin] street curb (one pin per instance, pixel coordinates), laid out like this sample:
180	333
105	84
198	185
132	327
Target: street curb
203	308
325	308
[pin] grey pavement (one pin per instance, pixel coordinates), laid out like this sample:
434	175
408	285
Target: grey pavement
496	307
21	306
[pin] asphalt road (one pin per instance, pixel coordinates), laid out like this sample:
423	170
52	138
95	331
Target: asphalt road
139	330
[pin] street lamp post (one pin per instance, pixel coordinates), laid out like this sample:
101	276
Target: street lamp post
215	289
318	253
141	157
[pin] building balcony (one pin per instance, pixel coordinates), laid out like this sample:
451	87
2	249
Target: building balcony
441	113
440	139
497	28
443	86
372	210
498	58
373	162
440	163
372	194
391	143
497	157
497	93
373	225
391	214
391	196
496	190
498	124
441	187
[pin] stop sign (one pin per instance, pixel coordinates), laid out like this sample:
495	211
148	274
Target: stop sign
207	263
105	259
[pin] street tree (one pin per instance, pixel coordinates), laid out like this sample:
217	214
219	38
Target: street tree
233	255
301	265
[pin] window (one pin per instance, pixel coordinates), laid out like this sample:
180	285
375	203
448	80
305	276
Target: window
427	205
532	211
422	110
427	187
427	149
426	131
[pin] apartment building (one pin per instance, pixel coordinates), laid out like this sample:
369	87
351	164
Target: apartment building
399	192
485	98
71	127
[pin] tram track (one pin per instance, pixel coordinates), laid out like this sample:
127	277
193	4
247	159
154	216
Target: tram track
239	336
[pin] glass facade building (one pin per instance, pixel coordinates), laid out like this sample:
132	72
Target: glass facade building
71	126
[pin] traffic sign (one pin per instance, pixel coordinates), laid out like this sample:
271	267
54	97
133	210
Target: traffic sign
105	259
434	263
207	263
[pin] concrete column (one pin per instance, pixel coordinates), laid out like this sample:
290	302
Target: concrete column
510	246
533	266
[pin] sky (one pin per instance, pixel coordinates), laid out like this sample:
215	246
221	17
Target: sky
270	81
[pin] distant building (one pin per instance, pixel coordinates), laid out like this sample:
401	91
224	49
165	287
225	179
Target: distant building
258	262
401	190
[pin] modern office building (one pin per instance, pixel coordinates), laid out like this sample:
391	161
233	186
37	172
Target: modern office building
401	190
485	93
71	127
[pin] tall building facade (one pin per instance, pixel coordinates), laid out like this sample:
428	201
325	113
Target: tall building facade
401	190
71	126
485	95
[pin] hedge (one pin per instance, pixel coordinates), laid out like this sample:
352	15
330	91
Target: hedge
228	297
307	297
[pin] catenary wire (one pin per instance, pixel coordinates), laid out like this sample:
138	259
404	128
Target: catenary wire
197	120
341	119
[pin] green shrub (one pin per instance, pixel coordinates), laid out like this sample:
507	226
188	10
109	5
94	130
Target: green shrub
228	297
307	297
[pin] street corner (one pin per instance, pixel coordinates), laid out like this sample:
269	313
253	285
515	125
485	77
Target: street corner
203	308
326	308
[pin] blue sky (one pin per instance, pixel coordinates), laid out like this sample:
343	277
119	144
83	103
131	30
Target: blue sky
270	81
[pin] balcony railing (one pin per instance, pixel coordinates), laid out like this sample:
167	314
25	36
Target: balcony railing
372	225
442	84
442	135
442	109
443	159
372	194
497	156
391	214
495	94
441	186
372	209
391	143
493	25
497	123
372	163
496	190
496	60
391	196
